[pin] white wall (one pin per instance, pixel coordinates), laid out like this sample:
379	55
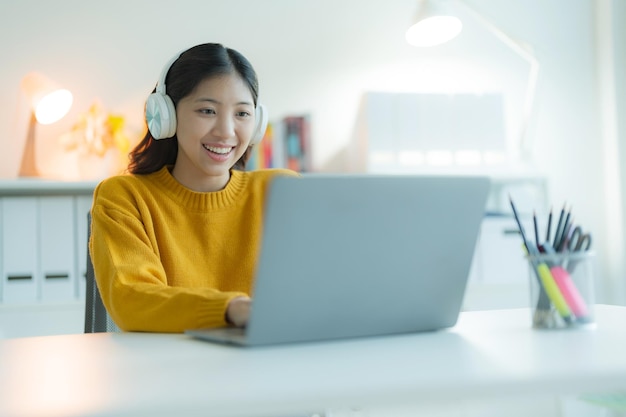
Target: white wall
319	57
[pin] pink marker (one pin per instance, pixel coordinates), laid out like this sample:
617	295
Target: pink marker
567	287
569	292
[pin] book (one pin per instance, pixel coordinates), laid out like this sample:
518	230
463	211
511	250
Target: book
296	140
263	153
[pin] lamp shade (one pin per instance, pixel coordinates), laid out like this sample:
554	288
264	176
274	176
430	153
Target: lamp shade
48	101
48	104
433	25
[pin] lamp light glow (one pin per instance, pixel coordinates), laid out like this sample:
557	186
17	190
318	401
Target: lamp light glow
49	103
434	30
53	106
47	100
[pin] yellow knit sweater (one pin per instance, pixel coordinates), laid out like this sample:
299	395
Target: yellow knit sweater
167	258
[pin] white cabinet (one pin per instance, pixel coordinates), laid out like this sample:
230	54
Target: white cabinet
43	248
500	275
501	252
20	269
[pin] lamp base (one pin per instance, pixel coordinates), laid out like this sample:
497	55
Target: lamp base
28	168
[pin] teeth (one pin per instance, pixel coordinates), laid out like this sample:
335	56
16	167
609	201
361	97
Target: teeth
221	151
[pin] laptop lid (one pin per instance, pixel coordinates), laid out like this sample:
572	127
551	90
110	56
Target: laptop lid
347	256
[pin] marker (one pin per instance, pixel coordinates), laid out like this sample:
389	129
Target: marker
552	289
567	287
543	274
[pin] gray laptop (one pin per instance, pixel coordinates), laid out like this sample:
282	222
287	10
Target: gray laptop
346	256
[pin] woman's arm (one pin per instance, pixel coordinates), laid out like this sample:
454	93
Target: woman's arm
133	282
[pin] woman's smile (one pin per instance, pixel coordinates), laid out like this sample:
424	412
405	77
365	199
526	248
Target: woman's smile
219	153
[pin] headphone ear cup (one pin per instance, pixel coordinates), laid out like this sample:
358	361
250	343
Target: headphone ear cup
160	116
261	124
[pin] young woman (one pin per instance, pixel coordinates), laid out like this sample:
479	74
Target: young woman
174	243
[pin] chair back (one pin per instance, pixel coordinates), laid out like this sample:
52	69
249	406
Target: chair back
97	319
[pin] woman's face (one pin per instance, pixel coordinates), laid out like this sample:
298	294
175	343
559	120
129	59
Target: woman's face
214	127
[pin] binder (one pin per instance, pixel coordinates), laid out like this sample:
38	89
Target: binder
82	206
57	250
20	250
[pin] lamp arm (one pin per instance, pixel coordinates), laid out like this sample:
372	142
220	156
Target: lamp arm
524	51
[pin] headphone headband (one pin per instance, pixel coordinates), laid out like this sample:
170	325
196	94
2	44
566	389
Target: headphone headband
160	88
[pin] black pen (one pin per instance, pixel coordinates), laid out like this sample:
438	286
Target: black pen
558	227
536	231
529	250
565	228
566	236
549	225
561	234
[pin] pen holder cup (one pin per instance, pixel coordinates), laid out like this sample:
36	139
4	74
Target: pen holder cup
562	290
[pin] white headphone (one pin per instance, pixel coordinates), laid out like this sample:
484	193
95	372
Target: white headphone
161	113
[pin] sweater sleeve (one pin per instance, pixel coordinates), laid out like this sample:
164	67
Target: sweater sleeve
132	280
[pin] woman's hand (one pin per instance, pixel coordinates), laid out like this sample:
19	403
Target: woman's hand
238	311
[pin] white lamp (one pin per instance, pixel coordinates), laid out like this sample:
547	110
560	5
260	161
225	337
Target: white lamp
434	24
48	103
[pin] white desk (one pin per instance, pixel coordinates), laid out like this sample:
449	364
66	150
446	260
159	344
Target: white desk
487	354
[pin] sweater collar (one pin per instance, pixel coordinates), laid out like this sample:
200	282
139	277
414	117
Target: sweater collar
199	201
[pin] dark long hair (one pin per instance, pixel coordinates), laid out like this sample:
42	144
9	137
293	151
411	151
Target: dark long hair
191	68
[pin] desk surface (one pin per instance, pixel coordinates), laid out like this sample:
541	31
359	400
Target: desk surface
488	353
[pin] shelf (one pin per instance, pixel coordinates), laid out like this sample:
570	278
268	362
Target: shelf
36	186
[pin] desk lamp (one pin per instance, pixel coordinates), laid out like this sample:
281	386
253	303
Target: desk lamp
48	103
434	24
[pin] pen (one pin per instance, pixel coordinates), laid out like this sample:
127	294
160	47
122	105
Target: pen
544	275
566	236
520	227
563	230
536	231
557	232
549	225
